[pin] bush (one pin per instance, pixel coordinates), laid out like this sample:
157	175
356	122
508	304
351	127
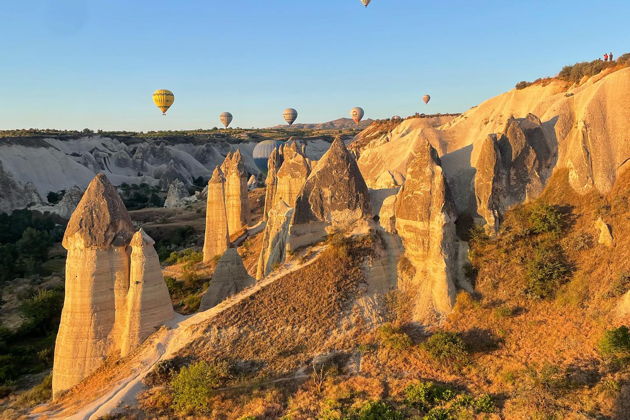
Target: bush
186	256
427	395
376	410
576	72
522	85
393	338
448	348
544	218
547	270
615	343
42	312
193	386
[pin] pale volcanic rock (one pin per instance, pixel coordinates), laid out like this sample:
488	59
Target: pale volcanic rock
273	166
69	202
334	197
216	237
229	278
605	235
274	239
13	195
176	195
97	280
511	168
148	301
425	221
292	175
236	201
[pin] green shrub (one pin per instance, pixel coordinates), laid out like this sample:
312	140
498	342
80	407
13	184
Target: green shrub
427	395
547	270
42	312
193	385
615	343
440	413
544	218
393	338
376	410
576	72
484	404
186	256
522	85
447	348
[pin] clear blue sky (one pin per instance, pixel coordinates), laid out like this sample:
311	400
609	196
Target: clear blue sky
94	63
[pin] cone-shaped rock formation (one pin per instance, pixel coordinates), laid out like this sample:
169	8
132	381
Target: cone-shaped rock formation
217	237
229	278
236	202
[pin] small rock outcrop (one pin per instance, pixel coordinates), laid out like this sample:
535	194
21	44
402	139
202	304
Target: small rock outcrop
148	301
217	237
69	202
236	201
425	221
229	278
334	196
274	239
605	235
95	315
511	168
177	193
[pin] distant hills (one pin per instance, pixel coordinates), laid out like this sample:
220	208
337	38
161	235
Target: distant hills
340	124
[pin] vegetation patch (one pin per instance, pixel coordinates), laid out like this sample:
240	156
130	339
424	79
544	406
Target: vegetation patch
447	348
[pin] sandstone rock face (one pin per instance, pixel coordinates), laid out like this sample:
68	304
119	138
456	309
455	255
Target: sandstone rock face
273	166
236	202
229	278
511	168
605	236
15	196
216	238
69	202
292	175
334	196
425	221
95	314
274	239
177	192
148	301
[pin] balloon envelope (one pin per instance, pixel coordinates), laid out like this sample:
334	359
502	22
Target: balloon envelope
163	99
365	2
262	151
357	114
290	115
426	98
226	119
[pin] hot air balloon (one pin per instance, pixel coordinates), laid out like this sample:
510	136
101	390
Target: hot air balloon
163	99
357	114
366	2
262	151
226	119
290	115
426	98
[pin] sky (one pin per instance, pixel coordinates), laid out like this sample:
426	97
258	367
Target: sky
74	64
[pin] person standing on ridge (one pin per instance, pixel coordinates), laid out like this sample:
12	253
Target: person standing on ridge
610	56
605	57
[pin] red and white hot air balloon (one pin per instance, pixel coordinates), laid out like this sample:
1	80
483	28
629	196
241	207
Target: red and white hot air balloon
357	114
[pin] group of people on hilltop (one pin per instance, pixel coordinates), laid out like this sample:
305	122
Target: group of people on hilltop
608	57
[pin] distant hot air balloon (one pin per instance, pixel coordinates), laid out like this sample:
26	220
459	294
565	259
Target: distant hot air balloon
426	98
163	99
357	114
262	151
290	115
366	2
226	119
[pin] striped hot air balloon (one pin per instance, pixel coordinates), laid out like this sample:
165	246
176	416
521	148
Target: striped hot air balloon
163	99
290	115
262	151
226	119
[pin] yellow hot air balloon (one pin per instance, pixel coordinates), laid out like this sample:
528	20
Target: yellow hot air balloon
366	3
163	99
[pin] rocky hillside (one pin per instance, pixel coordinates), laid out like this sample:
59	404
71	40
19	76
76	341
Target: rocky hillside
470	266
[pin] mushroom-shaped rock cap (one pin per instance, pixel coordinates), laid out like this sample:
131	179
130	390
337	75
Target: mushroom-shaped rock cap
140	239
101	219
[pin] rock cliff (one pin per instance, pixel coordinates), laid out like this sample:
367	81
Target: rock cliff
176	195
236	202
98	275
216	238
334	197
425	221
274	239
511	168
